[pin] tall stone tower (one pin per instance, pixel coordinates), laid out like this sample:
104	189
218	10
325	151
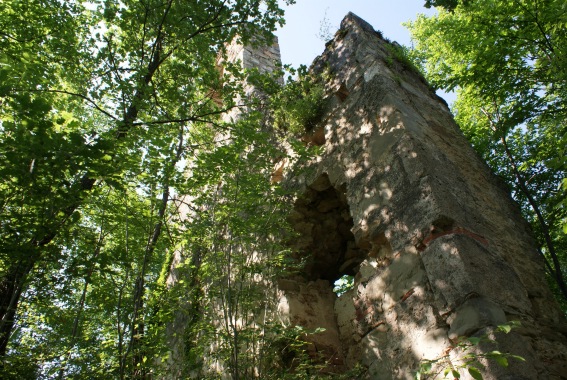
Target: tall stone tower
399	200
260	56
184	265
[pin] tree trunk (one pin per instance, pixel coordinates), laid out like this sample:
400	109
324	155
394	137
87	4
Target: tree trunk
557	272
12	284
138	323
11	287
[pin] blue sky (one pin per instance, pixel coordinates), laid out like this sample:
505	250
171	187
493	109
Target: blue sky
298	38
299	43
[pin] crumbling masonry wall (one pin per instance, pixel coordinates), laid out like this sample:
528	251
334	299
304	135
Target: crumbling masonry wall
184	265
399	199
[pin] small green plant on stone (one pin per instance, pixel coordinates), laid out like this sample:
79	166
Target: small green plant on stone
431	369
341	33
357	372
343	285
402	55
287	355
298	105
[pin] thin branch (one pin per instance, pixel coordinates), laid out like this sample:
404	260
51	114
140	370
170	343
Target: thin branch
84	97
9	36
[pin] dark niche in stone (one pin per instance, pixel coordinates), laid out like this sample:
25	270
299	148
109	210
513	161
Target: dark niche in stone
326	245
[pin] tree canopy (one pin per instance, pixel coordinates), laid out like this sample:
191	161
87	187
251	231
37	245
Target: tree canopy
128	204
103	106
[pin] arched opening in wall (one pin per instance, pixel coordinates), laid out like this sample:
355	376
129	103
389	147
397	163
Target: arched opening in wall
326	244
329	256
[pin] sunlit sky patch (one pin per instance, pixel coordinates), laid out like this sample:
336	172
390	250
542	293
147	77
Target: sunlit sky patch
300	40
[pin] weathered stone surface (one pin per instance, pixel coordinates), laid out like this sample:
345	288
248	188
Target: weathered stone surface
399	200
461	265
473	315
437	248
312	304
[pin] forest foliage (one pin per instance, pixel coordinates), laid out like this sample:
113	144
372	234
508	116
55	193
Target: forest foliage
118	166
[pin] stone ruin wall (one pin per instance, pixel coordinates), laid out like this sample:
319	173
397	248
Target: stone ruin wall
262	58
400	200
265	59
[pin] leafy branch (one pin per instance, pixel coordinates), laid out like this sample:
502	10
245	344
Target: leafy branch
470	361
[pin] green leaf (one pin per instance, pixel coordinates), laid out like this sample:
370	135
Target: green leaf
494	353
475	373
426	367
517	358
474	340
502	360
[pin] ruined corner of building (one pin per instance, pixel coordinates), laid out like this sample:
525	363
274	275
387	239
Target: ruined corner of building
400	208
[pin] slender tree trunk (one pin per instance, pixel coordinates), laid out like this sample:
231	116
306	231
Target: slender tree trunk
557	272
138	324
120	333
12	284
11	287
81	306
